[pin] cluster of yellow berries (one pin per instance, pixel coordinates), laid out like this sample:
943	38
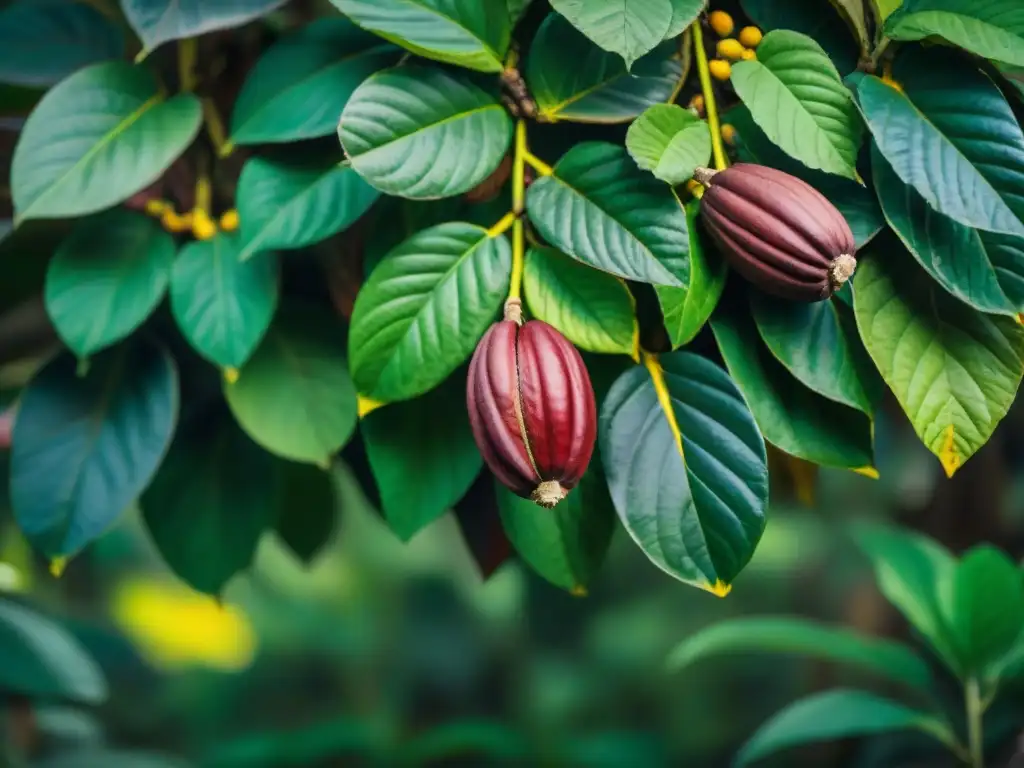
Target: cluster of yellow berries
728	48
197	221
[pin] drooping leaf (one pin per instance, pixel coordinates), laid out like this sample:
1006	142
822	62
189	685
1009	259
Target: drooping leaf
406	336
422	132
294	396
299	87
796	96
601	209
670	142
690	484
308	515
629	29
159	21
853	13
44	41
85	447
954	370
223	305
423	455
470	33
593	309
993	29
288	207
89	144
480	524
570	78
813	18
106	278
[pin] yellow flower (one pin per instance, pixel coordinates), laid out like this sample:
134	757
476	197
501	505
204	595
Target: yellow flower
203	227
229	220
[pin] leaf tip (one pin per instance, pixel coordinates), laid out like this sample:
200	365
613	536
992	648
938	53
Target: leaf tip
82	369
871	472
230	375
57	566
1019	317
949	456
578	591
141	55
366	406
718	589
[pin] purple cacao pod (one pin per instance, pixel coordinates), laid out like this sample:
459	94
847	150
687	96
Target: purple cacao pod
531	407
777	231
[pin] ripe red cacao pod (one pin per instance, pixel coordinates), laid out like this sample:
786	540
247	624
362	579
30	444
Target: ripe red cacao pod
777	231
531	407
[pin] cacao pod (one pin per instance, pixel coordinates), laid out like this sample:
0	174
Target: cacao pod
531	407
777	231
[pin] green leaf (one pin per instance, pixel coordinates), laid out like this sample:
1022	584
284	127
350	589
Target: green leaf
158	21
470	33
42	660
592	309
796	96
1014	76
566	545
929	134
572	79
44	41
838	714
423	455
670	142
210	503
222	305
106	278
885	7
601	209
77	758
686	468
684	13
299	87
993	29
85	447
289	207
983	269
308	517
954	370
89	144
516	9
812	18
424	308
703	272
793	635
853	13
294	395
629	29
423	132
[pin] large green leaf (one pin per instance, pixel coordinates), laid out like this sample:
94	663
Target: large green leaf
838	714
85	447
982	269
299	87
947	121
601	209
470	33
308	515
424	308
794	93
593	309
423	132
993	29
159	21
804	637
44	661
813	18
570	78
213	498
954	370
289	207
108	758
106	278
670	142
854	14
44	41
629	29
223	305
89	143
686	467
684	13
423	455
294	396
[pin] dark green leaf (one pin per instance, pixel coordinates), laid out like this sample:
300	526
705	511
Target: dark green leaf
993	29
814	19
159	21
309	515
108	758
670	142
628	29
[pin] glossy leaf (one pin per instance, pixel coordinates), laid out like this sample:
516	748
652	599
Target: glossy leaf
690	484
289	207
954	370
423	455
629	29
570	78
684	13
308	516
422	132
813	18
158	21
89	144
601	209
223	305
993	29
303	356
796	96
593	309
670	142
299	87
85	447
404	338
470	33
106	278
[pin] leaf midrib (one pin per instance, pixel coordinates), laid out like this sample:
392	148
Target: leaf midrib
428	127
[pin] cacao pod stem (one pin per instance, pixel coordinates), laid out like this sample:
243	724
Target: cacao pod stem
703	175
548	494
514	310
840	270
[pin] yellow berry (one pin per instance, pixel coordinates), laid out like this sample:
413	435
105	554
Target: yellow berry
203	227
229	220
720	69
730	49
728	133
721	22
750	36
748	54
